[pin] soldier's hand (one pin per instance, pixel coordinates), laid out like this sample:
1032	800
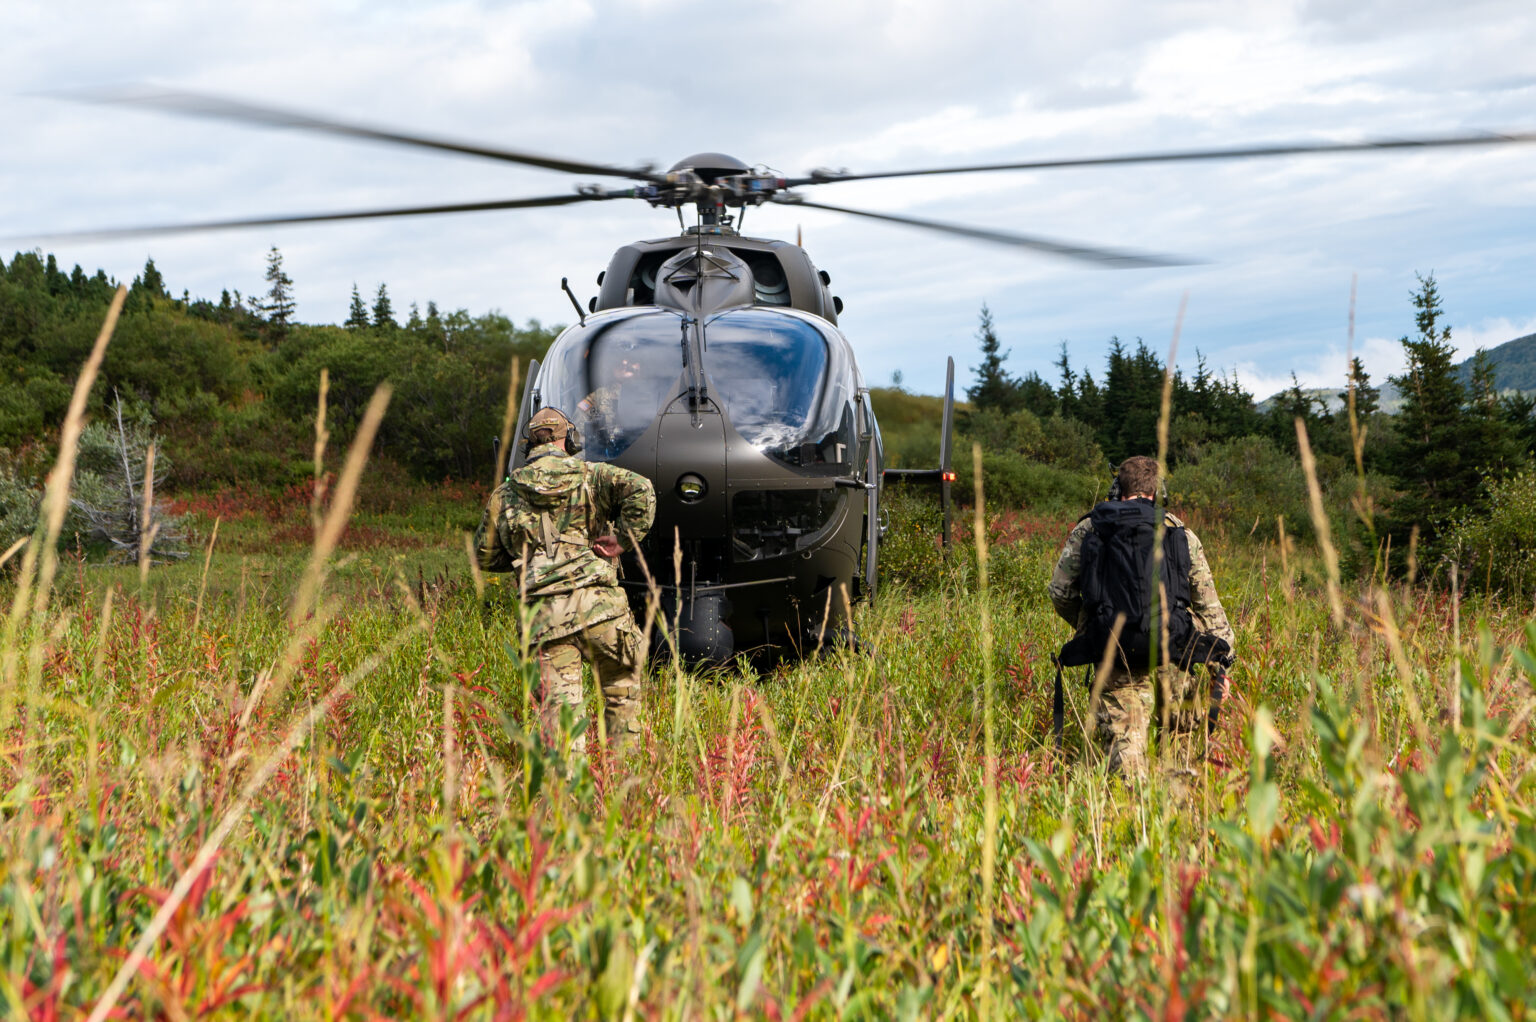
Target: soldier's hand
607	546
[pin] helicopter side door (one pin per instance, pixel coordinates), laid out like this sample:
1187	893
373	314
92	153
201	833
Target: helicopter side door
525	410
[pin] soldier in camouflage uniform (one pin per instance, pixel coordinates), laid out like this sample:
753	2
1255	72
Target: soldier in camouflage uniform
550	523
1127	702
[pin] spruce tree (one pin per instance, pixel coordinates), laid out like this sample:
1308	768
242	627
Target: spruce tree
278	305
995	388
1519	411
152	282
1367	397
357	315
1440	447
1488	431
383	311
1066	394
1037	396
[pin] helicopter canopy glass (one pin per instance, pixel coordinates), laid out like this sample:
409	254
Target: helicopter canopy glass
783	386
611	378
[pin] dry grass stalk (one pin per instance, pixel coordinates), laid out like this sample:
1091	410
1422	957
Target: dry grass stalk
147	531
329	534
989	744
1320	523
507	419
1453	697
202	588
1164	417
450	759
322	437
1404	669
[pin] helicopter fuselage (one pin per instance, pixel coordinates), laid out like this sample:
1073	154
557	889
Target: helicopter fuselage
750	417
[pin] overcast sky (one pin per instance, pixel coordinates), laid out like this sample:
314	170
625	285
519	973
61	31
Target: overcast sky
795	85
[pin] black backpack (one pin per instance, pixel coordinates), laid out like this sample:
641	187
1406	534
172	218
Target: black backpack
1116	579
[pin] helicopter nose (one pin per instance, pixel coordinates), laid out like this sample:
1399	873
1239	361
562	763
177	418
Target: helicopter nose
690	452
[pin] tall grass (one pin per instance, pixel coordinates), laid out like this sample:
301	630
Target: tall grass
350	812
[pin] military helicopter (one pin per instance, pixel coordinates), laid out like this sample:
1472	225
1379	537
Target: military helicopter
713	363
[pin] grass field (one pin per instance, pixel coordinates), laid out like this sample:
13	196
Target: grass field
829	839
292	776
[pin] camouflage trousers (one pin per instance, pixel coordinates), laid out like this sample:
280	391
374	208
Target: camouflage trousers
613	649
1127	707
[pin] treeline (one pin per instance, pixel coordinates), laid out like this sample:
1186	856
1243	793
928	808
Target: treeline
231	385
1418	482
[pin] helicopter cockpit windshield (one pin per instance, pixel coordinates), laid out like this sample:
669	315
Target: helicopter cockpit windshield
611	378
783	386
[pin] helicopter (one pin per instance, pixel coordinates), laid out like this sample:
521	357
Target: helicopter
713	363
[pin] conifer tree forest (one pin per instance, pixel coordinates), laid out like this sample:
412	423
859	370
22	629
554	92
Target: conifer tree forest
230	387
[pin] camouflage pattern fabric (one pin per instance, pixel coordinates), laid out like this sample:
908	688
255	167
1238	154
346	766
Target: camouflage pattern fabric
598	414
541	523
613	648
600	405
1126	706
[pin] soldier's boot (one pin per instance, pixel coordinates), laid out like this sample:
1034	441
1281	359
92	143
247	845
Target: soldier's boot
560	677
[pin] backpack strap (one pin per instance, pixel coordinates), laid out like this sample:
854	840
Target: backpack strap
1219	684
547	533
1058	705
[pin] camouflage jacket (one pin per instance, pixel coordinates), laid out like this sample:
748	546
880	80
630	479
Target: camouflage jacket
541	523
1205	605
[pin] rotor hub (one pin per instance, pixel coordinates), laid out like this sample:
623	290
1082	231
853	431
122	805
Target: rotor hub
710	167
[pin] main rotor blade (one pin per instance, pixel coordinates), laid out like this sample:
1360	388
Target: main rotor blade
1105	258
197	104
1190	156
272	221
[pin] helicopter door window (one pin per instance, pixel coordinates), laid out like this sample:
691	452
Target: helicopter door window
612	376
771	373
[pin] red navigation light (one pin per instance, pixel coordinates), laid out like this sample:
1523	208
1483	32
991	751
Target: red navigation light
949	477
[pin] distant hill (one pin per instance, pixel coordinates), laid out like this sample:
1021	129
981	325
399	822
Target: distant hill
1389	400
1514	365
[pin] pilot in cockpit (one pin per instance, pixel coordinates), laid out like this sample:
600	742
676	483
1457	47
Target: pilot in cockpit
603	429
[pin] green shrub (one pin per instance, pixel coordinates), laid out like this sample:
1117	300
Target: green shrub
1069	443
911	553
1242	483
909	427
1012	480
1497	550
18	508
